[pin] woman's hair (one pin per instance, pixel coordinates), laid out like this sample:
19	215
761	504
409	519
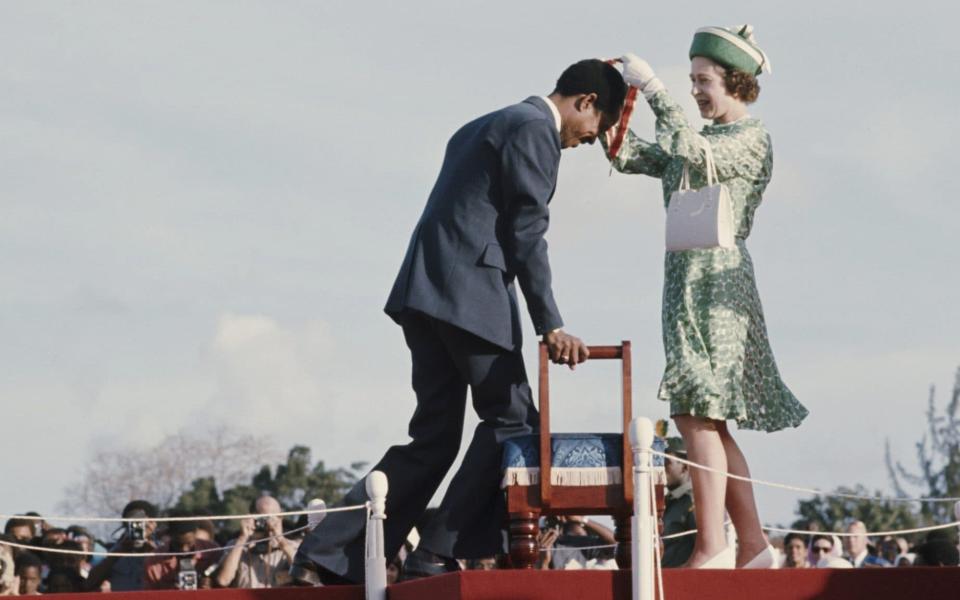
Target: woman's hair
794	536
817	538
740	85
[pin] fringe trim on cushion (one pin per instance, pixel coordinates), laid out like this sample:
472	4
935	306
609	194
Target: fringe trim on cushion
572	477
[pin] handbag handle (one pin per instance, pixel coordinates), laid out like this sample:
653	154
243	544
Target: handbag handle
711	167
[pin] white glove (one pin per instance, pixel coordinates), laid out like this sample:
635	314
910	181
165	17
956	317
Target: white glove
313	519
638	73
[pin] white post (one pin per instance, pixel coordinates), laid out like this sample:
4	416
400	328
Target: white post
641	439
376	562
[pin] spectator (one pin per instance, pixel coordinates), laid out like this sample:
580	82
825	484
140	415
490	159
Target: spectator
125	574
53	536
261	556
29	570
906	559
574	543
890	548
9	583
856	548
20	530
90	544
64	581
181	572
39	525
678	514
937	553
71	561
821	548
482	564
795	552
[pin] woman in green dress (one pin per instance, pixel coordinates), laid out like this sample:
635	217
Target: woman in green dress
719	365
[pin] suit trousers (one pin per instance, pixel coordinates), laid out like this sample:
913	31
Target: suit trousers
446	362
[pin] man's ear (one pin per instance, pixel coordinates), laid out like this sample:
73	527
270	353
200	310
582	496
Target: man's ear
586	102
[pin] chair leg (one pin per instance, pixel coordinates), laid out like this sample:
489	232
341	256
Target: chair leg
622	535
524	546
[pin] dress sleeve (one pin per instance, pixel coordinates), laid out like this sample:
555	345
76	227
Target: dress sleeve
742	152
638	156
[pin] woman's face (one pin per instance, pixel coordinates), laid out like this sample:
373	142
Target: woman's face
796	551
708	89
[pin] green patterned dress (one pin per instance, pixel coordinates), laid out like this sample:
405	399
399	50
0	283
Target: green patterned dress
718	359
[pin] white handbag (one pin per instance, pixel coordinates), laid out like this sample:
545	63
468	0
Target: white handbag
700	218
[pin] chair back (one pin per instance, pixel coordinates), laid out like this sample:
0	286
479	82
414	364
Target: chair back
621	352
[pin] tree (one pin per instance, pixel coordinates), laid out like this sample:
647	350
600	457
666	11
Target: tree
832	513
162	473
293	484
938	459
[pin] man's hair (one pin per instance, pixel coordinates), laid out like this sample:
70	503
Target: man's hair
937	553
176	528
593	76
17	522
26	560
147	508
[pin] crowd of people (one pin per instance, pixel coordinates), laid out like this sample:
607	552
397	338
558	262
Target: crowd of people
71	559
260	554
800	551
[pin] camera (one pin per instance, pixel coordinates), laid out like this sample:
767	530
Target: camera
186	574
260	525
136	531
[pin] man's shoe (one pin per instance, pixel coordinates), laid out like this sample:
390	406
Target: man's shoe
423	563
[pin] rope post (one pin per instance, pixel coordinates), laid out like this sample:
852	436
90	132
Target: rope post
376	562
641	439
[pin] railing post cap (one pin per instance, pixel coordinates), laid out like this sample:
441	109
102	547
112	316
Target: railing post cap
377	485
641	433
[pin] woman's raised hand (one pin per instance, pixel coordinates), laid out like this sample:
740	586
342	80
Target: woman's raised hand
638	73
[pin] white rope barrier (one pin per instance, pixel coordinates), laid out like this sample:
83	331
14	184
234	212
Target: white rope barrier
289	513
55	550
870	533
783	486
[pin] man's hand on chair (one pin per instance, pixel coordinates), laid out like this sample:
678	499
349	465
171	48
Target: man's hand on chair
565	349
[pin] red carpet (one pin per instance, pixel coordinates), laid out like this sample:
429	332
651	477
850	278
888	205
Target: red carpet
801	584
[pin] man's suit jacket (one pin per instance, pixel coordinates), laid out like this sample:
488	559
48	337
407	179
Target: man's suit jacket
483	228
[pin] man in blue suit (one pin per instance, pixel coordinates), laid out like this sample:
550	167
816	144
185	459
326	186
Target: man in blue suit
455	298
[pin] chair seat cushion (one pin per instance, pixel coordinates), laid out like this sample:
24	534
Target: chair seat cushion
577	459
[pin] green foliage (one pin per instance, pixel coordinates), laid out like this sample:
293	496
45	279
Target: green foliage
831	513
293	484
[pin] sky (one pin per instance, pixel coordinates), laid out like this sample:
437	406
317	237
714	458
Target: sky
205	204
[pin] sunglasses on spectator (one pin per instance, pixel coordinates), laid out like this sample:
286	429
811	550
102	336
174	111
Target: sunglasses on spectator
817	549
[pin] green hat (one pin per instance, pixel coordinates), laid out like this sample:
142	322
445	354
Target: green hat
734	48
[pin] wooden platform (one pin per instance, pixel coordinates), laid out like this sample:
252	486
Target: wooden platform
789	584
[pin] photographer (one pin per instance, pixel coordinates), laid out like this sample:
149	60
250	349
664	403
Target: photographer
126	574
187	572
576	542
256	561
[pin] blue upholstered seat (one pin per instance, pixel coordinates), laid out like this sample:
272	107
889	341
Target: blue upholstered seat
576	459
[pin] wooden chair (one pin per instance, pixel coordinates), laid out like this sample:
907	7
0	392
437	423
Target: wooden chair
604	486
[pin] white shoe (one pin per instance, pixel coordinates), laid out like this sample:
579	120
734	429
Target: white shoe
725	559
766	559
